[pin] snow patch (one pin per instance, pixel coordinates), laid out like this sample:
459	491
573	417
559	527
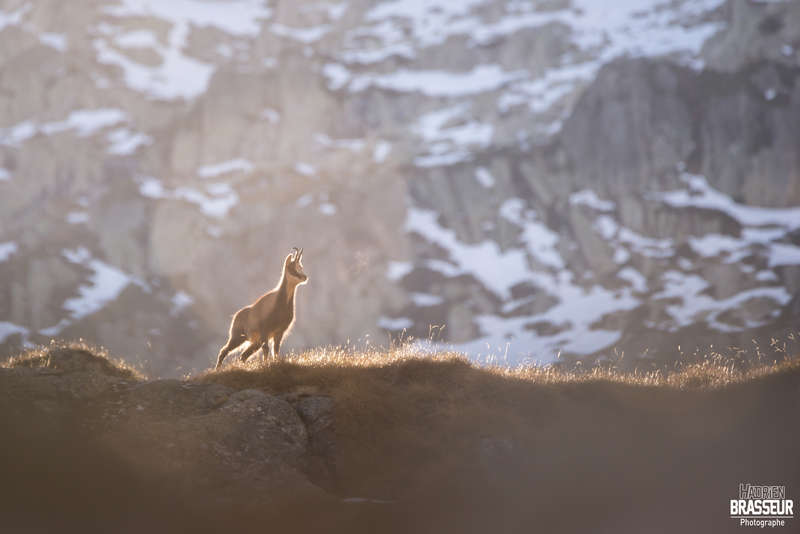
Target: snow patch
354	145
152	188
326	208
7	249
305	169
216	201
636	279
137	39
225	167
77	217
700	194
236	17
426	299
484	177
270	115
694	306
9	329
589	198
178	75
125	142
436	83
304	200
394	323
18	134
337	75
303	35
104	285
180	301
781	254
497	270
766	276
651	247
395	270
428	22
447	139
57	41
14	18
576	311
86	121
381	151
761	226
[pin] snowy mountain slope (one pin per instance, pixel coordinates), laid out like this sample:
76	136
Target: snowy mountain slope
723	282
541	177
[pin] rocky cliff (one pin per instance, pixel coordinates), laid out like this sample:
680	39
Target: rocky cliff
539	177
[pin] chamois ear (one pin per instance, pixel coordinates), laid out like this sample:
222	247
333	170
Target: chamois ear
289	259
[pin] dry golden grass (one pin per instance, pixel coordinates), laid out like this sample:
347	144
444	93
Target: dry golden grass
328	364
58	352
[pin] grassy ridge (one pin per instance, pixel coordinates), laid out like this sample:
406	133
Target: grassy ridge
536	445
458	448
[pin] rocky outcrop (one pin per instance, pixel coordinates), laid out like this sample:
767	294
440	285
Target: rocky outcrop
630	129
185	438
238	443
755	31
737	128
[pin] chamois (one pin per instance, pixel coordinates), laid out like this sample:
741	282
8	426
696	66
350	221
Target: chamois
270	317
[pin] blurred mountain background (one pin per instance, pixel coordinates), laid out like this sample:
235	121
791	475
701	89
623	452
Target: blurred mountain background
543	178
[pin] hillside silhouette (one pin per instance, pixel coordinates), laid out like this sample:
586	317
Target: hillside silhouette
388	441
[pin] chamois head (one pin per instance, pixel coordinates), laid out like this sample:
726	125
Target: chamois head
293	267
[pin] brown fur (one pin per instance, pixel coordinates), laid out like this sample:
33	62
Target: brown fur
271	317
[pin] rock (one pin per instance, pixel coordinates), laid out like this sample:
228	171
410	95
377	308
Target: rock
184	437
746	138
70	373
240	439
317	412
662	116
640	101
754	31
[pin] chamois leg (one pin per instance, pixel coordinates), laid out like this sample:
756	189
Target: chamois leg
248	351
233	342
276	345
265	351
